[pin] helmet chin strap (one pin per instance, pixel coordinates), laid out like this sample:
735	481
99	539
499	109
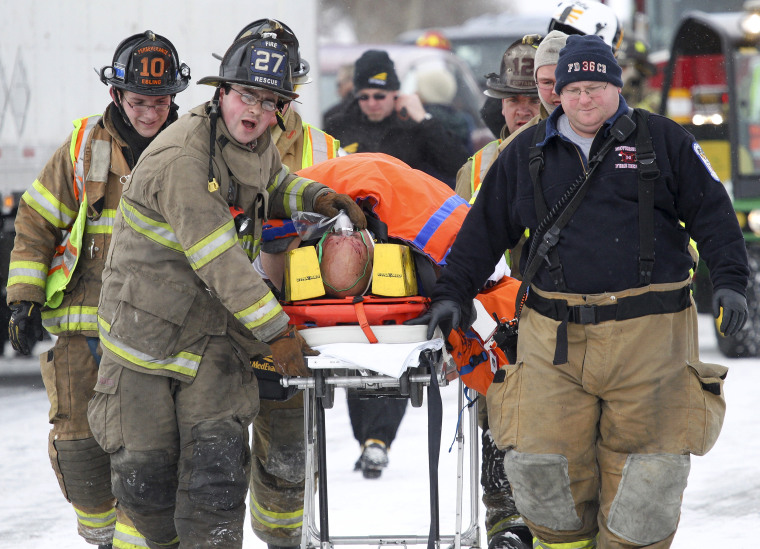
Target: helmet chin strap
120	107
279	114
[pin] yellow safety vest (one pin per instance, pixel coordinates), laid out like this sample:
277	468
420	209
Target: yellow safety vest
67	254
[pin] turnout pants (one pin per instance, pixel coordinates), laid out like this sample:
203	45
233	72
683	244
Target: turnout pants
378	418
598	447
69	372
277	473
180	457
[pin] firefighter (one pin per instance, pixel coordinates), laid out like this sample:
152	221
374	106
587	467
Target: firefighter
183	311
279	452
63	233
607	397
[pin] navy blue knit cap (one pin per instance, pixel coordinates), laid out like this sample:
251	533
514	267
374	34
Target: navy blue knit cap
587	57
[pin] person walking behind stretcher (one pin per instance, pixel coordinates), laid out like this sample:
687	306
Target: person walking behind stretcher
183	311
607	397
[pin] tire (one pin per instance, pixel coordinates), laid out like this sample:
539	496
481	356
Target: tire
746	343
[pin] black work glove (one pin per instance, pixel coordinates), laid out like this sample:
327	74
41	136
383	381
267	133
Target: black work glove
25	325
288	351
331	203
445	314
733	306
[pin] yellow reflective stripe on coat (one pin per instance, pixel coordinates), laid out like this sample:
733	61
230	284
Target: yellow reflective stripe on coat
583	544
211	247
157	231
318	146
27	272
96	520
42	201
127	537
102	225
70	319
481	162
82	129
277	178
182	363
260	312
63	264
293	201
251	245
272	519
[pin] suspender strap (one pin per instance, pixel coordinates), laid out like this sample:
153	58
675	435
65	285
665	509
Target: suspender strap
648	174
536	166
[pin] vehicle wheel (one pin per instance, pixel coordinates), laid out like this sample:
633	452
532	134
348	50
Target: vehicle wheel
746	343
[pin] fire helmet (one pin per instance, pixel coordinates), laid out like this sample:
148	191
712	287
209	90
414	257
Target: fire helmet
588	17
258	60
299	67
147	64
516	75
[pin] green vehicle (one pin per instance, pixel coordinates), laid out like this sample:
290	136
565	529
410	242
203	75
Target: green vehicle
711	86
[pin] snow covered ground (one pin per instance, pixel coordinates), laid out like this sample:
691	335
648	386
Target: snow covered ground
721	504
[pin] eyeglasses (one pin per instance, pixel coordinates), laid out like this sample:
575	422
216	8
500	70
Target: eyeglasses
546	84
249	99
142	109
375	96
592	91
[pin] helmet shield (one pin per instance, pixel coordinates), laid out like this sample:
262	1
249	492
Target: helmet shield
299	67
586	17
259	62
147	64
516	75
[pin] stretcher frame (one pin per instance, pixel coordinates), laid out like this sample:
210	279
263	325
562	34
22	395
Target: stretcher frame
318	396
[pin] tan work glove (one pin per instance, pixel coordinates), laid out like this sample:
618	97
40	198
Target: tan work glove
288	351
329	204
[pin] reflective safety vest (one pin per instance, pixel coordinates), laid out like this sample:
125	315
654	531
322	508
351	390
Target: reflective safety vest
416	207
318	146
67	253
481	162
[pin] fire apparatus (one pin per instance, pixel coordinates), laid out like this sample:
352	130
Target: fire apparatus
709	79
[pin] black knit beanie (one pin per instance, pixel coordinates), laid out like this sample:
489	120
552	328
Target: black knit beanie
374	69
584	58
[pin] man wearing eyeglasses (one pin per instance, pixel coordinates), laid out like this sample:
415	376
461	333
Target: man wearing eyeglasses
63	233
183	312
607	398
380	119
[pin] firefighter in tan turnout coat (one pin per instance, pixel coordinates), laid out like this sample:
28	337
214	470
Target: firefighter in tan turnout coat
183	311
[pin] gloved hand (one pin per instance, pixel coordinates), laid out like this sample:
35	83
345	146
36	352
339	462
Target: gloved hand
733	307
25	325
329	204
288	351
445	314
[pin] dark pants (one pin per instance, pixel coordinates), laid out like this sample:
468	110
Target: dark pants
377	418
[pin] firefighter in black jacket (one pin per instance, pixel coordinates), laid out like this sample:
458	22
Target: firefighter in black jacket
607	397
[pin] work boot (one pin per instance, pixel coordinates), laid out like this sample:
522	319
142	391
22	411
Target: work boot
105	546
273	546
517	537
374	458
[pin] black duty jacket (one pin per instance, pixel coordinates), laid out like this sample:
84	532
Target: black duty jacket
427	146
599	247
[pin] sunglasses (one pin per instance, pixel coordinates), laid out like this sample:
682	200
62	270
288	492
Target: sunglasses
375	96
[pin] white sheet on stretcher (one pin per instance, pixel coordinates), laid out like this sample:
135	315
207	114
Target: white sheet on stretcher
391	359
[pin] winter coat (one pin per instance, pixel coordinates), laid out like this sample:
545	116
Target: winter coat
46	214
426	145
599	247
176	274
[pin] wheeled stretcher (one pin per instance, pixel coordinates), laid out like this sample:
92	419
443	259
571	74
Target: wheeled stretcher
332	327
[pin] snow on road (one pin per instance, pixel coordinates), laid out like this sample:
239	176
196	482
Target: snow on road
721	505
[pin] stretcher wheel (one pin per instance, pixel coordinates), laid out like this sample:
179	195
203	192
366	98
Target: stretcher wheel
323	391
416	387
